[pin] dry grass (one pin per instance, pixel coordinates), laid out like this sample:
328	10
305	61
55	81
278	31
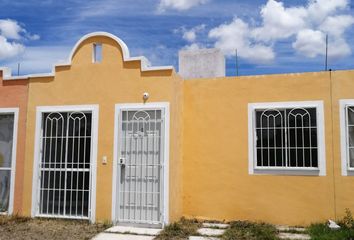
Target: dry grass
244	230
179	230
21	228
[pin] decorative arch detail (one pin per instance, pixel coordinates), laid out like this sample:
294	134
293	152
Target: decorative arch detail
145	64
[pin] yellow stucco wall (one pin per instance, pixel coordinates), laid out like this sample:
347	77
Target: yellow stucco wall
342	88
106	84
216	182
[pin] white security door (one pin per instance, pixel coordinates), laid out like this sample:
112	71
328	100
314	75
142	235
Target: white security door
65	165
140	166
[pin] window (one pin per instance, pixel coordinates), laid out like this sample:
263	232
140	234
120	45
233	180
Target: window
8	131
97	52
285	137
347	136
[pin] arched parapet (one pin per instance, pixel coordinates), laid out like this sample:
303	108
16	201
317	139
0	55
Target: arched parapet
145	64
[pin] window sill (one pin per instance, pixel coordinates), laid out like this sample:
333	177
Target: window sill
349	172
287	172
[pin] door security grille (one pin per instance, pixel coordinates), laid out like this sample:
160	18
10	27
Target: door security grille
65	165
140	194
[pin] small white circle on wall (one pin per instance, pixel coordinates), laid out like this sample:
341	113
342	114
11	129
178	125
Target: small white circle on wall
146	96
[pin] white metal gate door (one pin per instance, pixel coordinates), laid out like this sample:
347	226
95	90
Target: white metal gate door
140	188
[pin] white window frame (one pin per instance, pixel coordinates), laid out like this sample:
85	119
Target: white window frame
69	108
142	106
343	104
14	111
252	154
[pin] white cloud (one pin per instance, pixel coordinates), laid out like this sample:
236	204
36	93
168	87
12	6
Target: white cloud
10	29
193	46
337	25
307	24
9	49
279	22
338	48
190	35
179	4
11	35
39	59
310	43
319	10
236	35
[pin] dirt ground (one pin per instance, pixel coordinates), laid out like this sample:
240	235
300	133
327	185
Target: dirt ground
19	228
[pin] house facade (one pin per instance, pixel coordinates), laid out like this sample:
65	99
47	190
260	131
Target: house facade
105	136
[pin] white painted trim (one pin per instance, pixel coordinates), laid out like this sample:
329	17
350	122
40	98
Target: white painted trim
320	171
95	118
14	111
145	64
345	169
137	106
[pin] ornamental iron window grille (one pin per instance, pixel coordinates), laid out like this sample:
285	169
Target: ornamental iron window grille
286	138
350	135
65	165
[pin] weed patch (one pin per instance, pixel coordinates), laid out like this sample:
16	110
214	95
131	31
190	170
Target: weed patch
244	230
179	230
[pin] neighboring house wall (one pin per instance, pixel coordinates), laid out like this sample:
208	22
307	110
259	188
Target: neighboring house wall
110	82
14	94
216	179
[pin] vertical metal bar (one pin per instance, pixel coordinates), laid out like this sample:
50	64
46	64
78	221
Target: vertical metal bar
147	169
78	162
130	170
275	141
347	108
153	169
42	164
161	165
303	141
141	170
66	162
268	140
72	165
296	141
261	122
347	133
326	57
123	187
287	138
84	172
282	140
310	134
55	162
61	162
136	169
50	164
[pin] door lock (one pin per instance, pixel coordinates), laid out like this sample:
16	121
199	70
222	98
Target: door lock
122	162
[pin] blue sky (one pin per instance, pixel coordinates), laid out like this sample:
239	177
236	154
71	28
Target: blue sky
271	36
